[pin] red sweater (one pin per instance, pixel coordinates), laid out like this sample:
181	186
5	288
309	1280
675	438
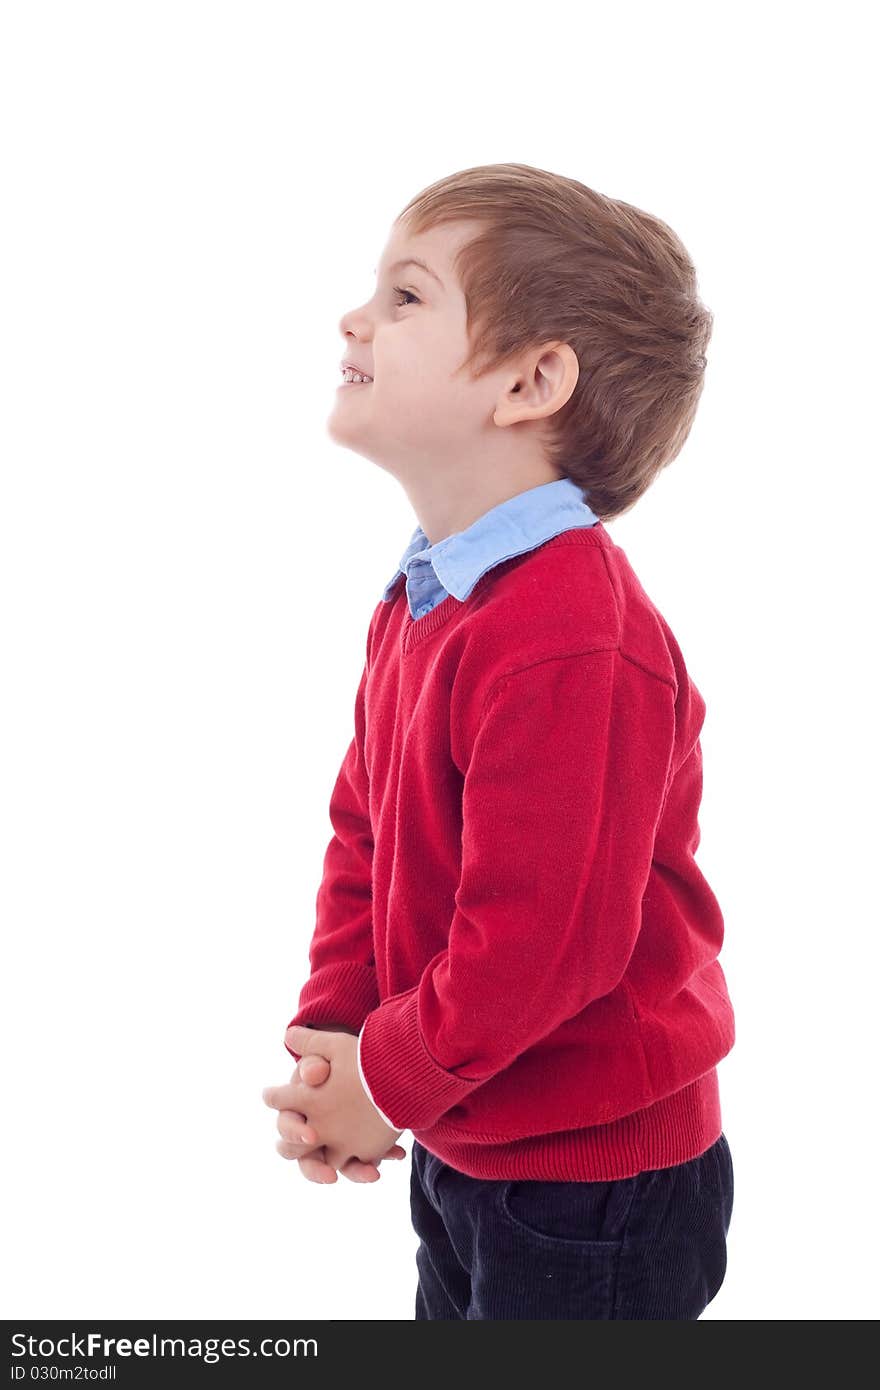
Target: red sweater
511	909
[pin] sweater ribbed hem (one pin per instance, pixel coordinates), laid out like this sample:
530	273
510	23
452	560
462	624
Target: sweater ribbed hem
671	1131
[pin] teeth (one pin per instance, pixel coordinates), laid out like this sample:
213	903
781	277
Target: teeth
349	375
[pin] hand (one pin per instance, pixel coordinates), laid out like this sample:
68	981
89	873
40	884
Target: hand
339	1113
298	1138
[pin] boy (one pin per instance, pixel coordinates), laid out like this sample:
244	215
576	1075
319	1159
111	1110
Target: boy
515	954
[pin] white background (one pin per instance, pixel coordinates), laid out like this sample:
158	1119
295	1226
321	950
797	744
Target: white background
193	194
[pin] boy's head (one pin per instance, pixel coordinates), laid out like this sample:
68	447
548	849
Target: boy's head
562	336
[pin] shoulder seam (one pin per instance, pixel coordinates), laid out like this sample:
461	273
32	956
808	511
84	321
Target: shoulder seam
612	586
568	656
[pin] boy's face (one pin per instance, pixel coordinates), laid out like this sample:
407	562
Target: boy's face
416	414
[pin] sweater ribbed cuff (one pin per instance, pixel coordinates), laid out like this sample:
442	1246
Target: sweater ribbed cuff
341	993
367	1091
402	1077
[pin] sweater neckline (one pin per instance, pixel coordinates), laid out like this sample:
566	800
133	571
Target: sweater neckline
415	630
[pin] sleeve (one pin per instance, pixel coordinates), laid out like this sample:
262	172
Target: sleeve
367	1090
342	986
561	799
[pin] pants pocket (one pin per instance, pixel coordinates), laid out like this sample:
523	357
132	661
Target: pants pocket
593	1213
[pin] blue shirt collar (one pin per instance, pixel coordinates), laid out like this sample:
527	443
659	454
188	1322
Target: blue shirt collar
512	527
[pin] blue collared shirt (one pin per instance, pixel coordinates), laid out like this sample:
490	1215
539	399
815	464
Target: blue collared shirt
453	565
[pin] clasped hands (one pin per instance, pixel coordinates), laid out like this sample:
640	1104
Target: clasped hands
326	1119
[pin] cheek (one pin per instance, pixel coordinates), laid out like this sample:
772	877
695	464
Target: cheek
406	357
401	380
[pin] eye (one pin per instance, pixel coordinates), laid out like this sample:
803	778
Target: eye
398	290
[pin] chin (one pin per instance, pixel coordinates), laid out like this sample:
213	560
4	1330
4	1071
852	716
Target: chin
337	430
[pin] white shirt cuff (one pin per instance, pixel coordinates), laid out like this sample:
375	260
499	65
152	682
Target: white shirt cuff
367	1089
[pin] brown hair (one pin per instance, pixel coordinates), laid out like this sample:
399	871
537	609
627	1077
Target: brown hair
553	259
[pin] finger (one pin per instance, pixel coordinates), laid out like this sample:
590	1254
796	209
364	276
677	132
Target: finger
356	1171
395	1152
286	1097
281	1097
289	1150
294	1128
313	1167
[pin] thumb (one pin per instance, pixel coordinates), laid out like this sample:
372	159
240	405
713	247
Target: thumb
314	1069
300	1038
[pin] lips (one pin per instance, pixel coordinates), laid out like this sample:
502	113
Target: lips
353	367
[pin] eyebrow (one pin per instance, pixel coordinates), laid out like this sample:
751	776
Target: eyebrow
414	260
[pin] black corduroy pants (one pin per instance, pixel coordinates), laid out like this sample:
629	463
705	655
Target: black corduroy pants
653	1246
